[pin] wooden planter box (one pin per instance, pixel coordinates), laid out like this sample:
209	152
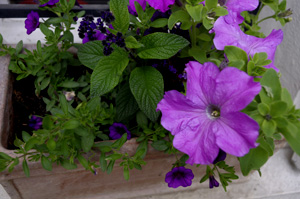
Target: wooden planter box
79	183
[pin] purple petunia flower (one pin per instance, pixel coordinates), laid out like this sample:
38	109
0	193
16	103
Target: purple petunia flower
162	5
213	182
208	118
32	22
35	122
117	130
230	34
179	176
50	3
132	9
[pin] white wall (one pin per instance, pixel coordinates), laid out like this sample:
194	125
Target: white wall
288	53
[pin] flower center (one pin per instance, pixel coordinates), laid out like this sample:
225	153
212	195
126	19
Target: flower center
213	112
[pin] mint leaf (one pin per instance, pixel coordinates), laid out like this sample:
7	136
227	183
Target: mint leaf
161	45
90	53
126	104
147	86
107	73
120	11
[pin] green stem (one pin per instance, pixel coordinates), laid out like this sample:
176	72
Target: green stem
193	34
269	17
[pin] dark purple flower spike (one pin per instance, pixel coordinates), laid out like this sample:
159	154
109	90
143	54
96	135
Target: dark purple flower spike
35	122
117	130
32	22
179	176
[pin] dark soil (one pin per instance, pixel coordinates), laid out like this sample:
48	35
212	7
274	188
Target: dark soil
25	103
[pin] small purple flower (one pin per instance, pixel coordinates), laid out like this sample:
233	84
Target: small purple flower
77	4
213	182
179	176
35	122
50	3
32	22
208	118
117	130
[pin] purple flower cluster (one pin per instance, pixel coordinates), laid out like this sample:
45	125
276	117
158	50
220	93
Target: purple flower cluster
179	176
35	122
32	22
162	5
111	39
208	118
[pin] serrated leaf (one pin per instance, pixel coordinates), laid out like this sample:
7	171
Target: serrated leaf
126	104
147	86
161	45
108	72
131	42
120	11
90	53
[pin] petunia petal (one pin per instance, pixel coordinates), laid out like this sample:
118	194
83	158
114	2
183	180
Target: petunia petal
201	81
236	133
234	90
199	144
143	3
178	112
162	5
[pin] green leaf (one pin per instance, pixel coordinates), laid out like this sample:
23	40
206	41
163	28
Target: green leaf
46	163
120	142
278	108
126	104
25	168
5	156
161	45
147	86
83	161
159	23
115	156
160	145
25	136
51	144
87	142
120	11
68	165
90	53
69	84
45	30
263	109
81	131
126	173
110	166
198	54
108	72
269	127
293	138
63	103
282	5
210	4
180	16
131	42
287	98
45	83
271	90
141	119
1	40
220	11
103	162
48	122
19	47
30	143
267	144
71	124
54	20
195	11
254	160
236	54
